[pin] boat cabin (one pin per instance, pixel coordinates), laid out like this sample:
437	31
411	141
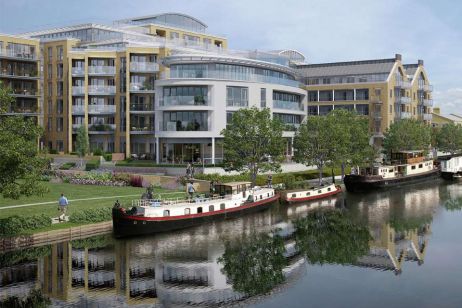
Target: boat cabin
407	157
233	188
451	164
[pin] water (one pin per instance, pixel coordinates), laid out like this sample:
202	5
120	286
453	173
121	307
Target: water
264	260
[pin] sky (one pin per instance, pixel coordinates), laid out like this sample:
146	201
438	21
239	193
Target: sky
324	31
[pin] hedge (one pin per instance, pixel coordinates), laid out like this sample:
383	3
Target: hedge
150	163
92	164
91	215
14	225
67	166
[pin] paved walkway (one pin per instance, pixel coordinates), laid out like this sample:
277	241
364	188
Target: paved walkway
85	199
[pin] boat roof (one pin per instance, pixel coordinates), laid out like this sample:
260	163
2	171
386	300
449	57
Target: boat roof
235	183
409	152
448	157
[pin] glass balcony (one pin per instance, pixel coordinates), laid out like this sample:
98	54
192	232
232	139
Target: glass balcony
101	70
11	73
78	90
78	71
403	84
237	103
78	109
428	88
144	67
18	92
141	87
8	53
145	107
406	115
24	109
403	100
101	108
143	128
427	116
75	127
197	100
427	102
101	127
101	90
287	105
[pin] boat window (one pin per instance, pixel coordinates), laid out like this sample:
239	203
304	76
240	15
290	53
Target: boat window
187	211
211	208
166	213
413	167
222	206
199	209
268	194
319	191
390	170
307	193
328	189
420	166
294	195
261	197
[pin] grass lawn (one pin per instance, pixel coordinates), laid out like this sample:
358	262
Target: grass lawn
72	192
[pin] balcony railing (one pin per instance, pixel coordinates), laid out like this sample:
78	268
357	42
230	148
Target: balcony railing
287	105
237	103
144	67
141	87
78	90
176	126
197	100
403	100
101	70
101	108
406	115
145	128
17	73
101	90
141	107
25	92
428	102
403	84
76	126
101	127
24	109
78	109
427	116
78	71
5	52
426	87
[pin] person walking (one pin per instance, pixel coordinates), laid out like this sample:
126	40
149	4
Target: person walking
63	203
191	189
193	171
188	171
270	180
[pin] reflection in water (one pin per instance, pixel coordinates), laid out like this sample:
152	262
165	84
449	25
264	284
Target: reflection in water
230	261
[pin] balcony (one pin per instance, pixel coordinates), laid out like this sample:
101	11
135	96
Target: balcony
197	100
23	110
427	116
144	67
426	87
141	87
75	127
101	128
101	70
101	90
406	115
78	109
142	108
78	90
403	100
403	84
427	102
78	71
101	108
25	93
18	74
8	53
237	103
287	105
146	129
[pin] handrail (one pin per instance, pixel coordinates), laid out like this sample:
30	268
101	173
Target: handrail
173	201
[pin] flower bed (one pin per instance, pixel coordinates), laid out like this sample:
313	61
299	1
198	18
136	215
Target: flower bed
96	178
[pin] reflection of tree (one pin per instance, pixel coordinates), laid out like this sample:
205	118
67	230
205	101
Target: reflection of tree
35	299
329	236
409	223
453	204
24	255
254	264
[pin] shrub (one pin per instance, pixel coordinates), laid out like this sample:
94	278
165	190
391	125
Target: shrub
53	151
99	241
123	177
67	166
98	152
16	225
91	215
136	181
92	164
107	156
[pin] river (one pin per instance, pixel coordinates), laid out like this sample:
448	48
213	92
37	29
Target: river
396	248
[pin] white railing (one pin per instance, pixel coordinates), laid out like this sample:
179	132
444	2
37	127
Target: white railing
427	116
76	126
101	70
5	52
184	100
78	90
78	109
144	67
403	100
101	108
428	102
101	90
101	127
136	86
403	84
78	70
406	115
171	201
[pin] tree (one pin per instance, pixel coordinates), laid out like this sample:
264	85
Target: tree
449	138
253	142
81	143
20	165
407	135
321	141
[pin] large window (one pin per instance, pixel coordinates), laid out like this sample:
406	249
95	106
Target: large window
313	110
263	98
284	100
185	121
312	96
188	95
362	94
291	121
324	110
343	95
237	96
325	96
362	109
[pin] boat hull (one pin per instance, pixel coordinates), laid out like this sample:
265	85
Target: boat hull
290	200
358	183
125	225
451	176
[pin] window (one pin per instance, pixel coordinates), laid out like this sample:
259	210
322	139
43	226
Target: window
60	51
319	191
199	210
166	213
211	208
174	35
185	121
187	211
60	71
222	206
50	71
60	145
362	94
413	167
237	96
391	93
420	166
324	110
312	96
343	95
59	124
362	109
229	117
59	89
313	110
262	97
326	80
308	193
60	106
284	100
50	107
325	96
294	195
50	53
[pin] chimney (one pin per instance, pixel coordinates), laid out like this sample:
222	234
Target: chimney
420	62
398	57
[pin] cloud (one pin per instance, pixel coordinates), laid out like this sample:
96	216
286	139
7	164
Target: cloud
450	100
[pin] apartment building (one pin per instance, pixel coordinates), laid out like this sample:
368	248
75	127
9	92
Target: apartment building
385	90
20	71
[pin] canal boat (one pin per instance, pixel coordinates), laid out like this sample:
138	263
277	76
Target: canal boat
404	168
154	216
451	167
312	193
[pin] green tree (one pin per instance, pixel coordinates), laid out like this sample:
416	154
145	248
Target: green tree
254	264
20	165
253	142
321	141
449	138
82	145
329	236
407	135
